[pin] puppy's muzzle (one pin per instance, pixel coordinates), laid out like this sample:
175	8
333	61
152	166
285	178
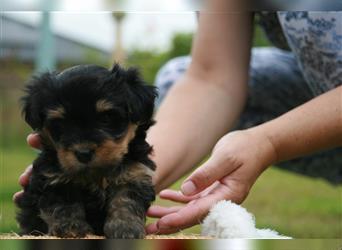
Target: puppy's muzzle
84	155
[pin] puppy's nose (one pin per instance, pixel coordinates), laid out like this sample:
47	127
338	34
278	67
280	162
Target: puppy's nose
84	155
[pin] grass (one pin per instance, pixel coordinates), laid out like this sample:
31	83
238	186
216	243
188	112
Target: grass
13	164
299	206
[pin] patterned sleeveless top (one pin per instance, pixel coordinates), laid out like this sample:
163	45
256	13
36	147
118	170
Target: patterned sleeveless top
315	38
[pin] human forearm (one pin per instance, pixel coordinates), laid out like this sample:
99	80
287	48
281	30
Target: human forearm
240	157
190	121
313	126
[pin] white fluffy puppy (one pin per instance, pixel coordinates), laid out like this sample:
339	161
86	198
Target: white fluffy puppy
229	220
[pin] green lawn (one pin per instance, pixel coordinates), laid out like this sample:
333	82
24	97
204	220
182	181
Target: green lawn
12	164
292	204
295	205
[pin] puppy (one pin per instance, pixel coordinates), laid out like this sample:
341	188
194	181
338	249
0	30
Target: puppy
94	175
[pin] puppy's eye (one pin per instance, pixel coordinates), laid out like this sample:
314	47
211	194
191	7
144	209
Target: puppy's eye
114	123
106	118
118	135
120	128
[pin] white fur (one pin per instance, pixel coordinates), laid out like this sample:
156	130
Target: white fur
229	220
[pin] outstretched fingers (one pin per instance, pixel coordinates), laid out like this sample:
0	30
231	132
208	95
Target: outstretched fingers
187	216
204	176
159	211
176	196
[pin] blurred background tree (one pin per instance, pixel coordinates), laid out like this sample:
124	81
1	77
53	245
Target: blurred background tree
180	45
150	61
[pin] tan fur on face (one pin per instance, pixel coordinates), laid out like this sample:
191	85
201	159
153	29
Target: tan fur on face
109	152
80	146
56	113
68	159
103	105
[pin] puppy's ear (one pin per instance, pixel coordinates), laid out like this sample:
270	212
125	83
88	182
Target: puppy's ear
140	98
33	101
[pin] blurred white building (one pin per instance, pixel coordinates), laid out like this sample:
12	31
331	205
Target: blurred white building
20	39
141	29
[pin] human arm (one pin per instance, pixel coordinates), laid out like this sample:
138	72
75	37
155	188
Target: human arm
311	127
206	102
240	157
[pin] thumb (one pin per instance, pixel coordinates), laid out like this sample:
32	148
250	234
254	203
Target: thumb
215	168
34	140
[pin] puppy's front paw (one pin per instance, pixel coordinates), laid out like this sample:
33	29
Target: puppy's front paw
120	229
77	229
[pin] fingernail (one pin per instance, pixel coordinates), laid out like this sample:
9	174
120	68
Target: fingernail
15	197
188	188
162	192
28	138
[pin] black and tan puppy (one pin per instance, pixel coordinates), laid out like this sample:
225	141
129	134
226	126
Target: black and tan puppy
94	175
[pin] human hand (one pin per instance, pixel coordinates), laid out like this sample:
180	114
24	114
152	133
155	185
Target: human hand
34	141
236	162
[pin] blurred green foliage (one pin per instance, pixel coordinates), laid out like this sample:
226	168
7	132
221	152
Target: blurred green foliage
150	61
181	45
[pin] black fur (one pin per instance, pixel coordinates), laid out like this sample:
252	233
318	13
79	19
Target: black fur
71	196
